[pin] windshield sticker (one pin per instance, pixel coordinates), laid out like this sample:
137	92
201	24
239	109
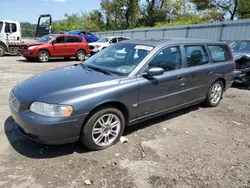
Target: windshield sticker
142	47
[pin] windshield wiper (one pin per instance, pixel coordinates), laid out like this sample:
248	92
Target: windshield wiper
83	66
101	70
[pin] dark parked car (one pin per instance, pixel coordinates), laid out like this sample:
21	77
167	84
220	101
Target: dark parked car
55	45
94	101
90	37
241	55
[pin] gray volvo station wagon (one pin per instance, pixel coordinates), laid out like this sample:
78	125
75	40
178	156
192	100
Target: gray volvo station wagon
120	86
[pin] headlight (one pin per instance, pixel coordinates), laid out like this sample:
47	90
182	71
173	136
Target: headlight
31	47
97	46
52	110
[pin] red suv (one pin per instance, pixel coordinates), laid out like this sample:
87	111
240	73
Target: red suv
55	45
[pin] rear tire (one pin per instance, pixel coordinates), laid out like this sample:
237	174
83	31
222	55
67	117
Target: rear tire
214	95
43	56
80	55
100	131
2	51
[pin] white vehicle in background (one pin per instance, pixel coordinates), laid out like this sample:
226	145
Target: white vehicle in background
10	37
105	42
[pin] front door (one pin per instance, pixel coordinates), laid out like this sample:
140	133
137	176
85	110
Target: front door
165	91
59	47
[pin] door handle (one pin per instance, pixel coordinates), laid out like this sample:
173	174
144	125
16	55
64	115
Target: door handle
210	72
180	78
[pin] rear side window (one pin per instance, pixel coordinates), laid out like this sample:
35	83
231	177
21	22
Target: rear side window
71	39
219	53
78	39
196	55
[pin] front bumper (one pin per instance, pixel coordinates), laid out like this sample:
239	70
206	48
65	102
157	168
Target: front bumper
48	130
28	53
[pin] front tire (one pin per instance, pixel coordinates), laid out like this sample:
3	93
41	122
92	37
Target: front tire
2	51
103	129
43	56
214	95
80	55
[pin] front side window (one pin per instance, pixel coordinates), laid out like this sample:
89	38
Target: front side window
219	53
60	40
169	59
114	40
7	28
14	29
46	38
196	55
120	58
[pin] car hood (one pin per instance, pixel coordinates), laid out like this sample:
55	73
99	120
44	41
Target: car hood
65	83
97	43
33	44
237	54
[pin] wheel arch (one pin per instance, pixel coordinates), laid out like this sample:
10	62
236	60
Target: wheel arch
113	104
4	45
221	80
44	49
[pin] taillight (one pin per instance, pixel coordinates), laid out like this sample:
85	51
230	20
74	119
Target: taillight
234	65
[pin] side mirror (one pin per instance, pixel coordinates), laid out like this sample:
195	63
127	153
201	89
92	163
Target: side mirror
155	71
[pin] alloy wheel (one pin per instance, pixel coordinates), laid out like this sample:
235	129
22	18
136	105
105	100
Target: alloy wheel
216	93
106	130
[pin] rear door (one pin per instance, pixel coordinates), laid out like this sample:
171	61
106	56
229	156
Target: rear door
199	72
222	65
72	44
164	91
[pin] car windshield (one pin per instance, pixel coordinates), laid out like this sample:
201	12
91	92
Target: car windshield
120	59
1	26
46	38
240	46
103	40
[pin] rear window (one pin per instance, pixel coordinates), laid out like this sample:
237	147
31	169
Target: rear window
219	53
71	39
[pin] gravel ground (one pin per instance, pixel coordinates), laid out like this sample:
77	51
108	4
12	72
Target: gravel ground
194	147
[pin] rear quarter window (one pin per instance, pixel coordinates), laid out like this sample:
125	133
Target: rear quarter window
219	53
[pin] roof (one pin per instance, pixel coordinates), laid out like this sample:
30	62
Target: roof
13	21
169	41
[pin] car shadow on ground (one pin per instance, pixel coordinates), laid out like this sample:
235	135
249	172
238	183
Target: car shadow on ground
54	60
240	86
160	119
32	149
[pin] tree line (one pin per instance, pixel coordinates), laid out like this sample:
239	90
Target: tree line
129	14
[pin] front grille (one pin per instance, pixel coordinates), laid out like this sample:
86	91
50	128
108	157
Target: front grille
91	47
23	47
14	102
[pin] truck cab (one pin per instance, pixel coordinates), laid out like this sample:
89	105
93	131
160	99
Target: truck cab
10	37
